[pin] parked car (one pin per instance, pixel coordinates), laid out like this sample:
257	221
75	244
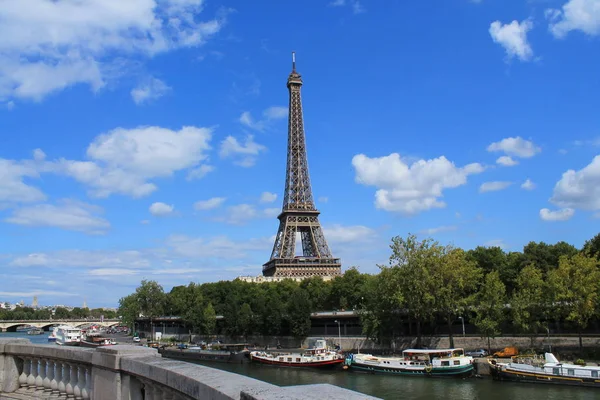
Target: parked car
136	339
477	353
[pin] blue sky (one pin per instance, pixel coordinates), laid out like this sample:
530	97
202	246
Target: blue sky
146	139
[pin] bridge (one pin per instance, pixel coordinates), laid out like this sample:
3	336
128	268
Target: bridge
45	324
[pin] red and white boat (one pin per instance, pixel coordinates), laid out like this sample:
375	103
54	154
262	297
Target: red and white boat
318	356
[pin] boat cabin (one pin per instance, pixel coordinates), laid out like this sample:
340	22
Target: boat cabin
435	357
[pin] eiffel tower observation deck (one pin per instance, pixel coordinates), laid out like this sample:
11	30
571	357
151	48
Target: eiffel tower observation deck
299	215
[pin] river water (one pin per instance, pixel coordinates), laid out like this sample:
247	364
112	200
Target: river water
392	387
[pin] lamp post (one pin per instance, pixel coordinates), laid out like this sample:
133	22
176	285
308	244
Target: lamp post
463	325
339	333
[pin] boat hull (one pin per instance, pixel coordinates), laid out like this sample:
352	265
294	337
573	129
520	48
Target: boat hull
464	371
312	364
52	339
534	377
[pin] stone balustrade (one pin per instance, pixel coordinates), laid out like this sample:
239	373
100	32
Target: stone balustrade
125	372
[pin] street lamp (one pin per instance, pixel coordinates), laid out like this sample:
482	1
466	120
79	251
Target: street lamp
339	333
463	325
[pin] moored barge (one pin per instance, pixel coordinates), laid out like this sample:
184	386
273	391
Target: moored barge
415	362
549	370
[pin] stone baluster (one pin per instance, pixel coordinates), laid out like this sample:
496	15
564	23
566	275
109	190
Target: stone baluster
39	379
34	372
168	394
49	375
54	367
60	378
25	372
68	375
87	375
78	384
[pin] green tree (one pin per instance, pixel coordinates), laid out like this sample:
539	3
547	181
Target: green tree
380	315
489	310
592	247
453	280
61	313
129	310
415	261
298	313
209	319
246	320
151	300
529	302
188	303
575	286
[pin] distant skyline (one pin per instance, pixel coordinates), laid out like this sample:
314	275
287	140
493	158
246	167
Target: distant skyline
147	139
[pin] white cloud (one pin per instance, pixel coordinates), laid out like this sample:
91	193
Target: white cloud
515	146
219	247
513	37
68	214
145	221
268	197
275	112
159	209
582	15
12	185
150	90
209	204
38	292
528	185
433	231
241	214
245	155
112	272
200	172
269	115
124	160
271	212
558	215
84	259
506	161
323	199
496	243
46	46
356	6
348	234
410	189
579	189
493	186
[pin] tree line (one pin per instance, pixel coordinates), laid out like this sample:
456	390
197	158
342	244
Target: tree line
425	287
30	313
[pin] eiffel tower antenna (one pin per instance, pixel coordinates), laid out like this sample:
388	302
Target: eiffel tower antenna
299	214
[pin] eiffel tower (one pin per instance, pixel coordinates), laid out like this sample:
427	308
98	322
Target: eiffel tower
299	214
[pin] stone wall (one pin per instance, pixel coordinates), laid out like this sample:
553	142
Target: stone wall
124	372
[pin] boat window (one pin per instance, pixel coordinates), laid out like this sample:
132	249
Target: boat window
594	374
445	363
280	358
456	362
298	359
289	358
571	372
556	371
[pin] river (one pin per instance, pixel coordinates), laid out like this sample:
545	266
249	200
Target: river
392	387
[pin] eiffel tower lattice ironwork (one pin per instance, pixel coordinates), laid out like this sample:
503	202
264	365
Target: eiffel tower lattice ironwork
299	214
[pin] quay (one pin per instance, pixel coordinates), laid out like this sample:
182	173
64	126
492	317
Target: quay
126	372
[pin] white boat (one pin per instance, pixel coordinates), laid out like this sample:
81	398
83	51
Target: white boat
52	336
67	335
545	370
318	356
415	362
